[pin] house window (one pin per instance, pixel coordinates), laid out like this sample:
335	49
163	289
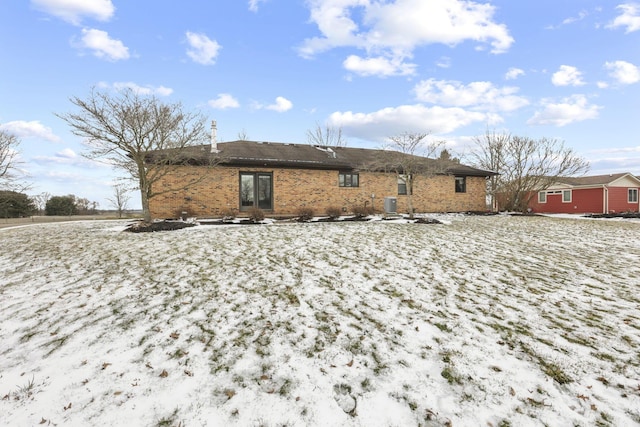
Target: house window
633	195
348	179
566	196
542	197
461	184
403	183
256	189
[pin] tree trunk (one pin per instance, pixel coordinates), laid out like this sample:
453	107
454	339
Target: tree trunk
410	196
146	211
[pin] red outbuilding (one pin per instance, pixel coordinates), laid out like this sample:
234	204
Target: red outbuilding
611	193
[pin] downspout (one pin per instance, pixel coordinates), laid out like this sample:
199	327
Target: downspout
605	199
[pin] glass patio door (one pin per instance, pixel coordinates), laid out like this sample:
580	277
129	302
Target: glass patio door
256	189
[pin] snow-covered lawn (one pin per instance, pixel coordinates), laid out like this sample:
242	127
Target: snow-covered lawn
483	321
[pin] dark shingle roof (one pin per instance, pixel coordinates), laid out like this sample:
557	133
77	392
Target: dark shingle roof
275	154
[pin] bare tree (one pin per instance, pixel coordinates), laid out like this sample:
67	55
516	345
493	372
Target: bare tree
120	198
9	174
85	206
326	137
124	128
410	156
489	153
525	166
242	135
40	201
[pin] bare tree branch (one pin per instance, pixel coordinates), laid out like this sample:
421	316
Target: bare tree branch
123	128
120	198
327	137
524	165
9	172
409	156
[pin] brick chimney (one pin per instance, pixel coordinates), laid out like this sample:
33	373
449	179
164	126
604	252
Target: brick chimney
214	137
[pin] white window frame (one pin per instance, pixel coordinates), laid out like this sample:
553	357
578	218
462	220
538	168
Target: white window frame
630	198
542	197
570	196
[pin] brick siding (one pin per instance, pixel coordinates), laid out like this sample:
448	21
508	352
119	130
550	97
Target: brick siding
218	191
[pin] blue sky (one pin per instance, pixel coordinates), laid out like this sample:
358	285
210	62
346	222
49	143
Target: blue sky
274	69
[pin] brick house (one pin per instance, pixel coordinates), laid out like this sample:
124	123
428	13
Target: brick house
589	194
280	178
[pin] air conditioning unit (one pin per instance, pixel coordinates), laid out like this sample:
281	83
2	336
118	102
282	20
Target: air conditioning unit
390	205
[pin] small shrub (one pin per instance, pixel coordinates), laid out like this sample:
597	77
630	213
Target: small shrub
184	213
255	214
228	214
333	212
361	211
305	213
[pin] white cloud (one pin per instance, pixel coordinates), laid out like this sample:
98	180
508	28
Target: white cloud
570	110
73	11
33	129
395	29
67	153
624	72
581	15
567	76
603	165
443	62
253	4
616	150
102	45
224	101
281	105
513	73
202	50
478	95
143	90
379	66
383	123
630	18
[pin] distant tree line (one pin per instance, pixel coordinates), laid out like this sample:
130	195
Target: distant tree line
14	204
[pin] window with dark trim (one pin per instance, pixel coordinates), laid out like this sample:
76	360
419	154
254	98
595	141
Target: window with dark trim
403	181
348	179
256	190
461	184
633	195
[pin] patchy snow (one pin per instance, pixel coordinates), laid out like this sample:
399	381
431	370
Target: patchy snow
484	321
